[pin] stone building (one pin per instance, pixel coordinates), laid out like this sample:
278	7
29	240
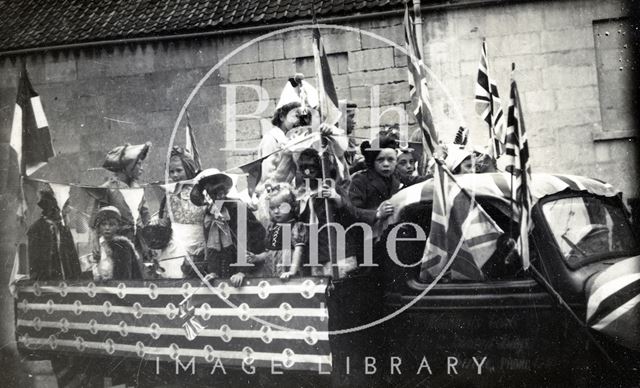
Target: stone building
110	72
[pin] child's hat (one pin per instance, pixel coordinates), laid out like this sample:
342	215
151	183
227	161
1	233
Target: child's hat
298	90
212	176
119	157
456	154
105	213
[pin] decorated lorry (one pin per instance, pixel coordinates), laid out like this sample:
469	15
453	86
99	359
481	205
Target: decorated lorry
572	317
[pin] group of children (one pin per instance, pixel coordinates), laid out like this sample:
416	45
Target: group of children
203	230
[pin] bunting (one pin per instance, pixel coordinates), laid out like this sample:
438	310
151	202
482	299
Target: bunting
517	151
488	105
419	92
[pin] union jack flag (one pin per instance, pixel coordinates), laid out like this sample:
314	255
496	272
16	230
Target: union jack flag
517	152
418	90
462	237
488	104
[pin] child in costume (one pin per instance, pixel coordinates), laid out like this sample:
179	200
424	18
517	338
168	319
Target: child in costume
286	236
187	218
168	254
116	257
227	224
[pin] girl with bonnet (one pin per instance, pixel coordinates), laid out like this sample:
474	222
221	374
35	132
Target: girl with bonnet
187	218
125	162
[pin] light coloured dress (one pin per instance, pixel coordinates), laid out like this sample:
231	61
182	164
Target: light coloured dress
187	221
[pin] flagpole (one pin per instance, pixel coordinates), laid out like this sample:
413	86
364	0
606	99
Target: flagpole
542	281
321	99
417	22
511	193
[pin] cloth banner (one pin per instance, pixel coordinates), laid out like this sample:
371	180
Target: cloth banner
263	322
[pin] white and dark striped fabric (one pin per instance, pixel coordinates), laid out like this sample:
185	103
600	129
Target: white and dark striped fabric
327	96
497	186
264	321
30	137
489	106
613	306
418	90
462	237
518	164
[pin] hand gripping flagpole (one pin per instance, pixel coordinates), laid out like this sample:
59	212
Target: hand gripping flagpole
323	145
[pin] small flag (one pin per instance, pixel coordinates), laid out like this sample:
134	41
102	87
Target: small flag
419	92
462	136
461	231
30	137
517	151
488	104
190	144
327	96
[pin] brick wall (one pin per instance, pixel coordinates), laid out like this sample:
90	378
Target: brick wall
98	98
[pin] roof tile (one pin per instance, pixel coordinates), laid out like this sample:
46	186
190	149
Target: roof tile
27	23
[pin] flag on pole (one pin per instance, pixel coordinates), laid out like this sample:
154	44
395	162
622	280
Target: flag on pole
460	231
190	144
488	105
418	91
517	153
328	98
30	137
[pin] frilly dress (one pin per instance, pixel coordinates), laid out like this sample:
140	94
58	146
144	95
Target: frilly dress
275	253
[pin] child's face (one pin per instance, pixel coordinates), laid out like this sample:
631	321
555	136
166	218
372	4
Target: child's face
108	228
176	170
406	164
279	211
135	169
467	166
385	163
309	169
292	119
216	191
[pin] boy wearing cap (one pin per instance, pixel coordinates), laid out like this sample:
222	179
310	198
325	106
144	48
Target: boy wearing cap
227	224
116	257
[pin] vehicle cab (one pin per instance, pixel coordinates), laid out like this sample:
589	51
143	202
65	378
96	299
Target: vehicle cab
508	318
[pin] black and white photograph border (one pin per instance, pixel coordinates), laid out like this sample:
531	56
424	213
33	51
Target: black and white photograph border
146	145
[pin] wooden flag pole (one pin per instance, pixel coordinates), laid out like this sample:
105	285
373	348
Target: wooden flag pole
321	98
417	22
544	283
511	193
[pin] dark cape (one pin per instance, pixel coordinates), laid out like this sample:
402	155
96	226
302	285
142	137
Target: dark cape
126	265
50	258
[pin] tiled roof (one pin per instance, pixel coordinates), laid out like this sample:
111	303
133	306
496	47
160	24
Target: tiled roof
38	23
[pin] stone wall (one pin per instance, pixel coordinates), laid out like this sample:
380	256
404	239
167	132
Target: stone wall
101	97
